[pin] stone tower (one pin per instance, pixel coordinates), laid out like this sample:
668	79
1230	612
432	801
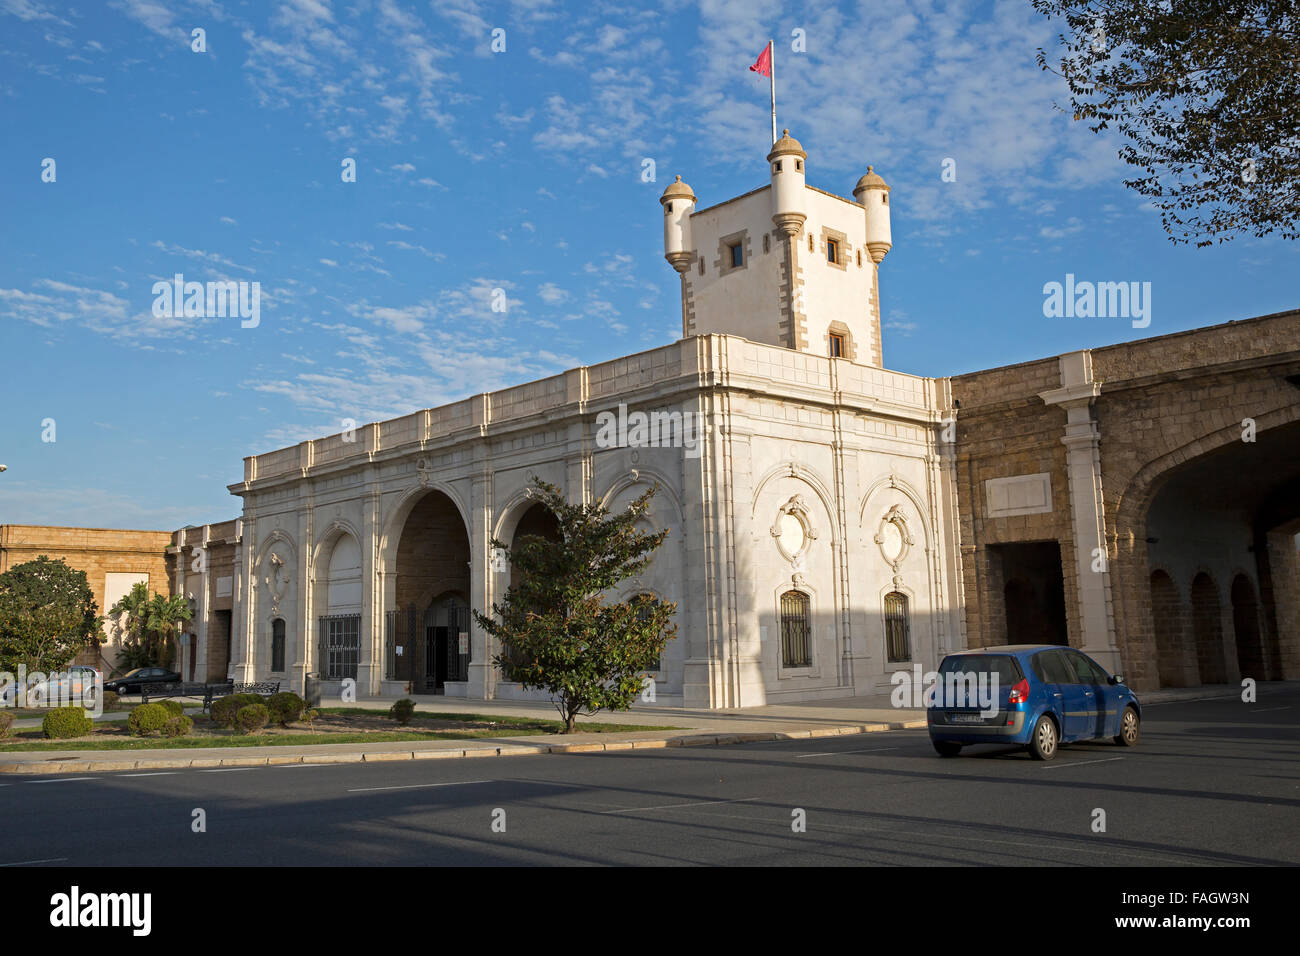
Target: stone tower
786	264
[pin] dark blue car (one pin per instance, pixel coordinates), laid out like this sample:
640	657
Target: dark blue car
1036	696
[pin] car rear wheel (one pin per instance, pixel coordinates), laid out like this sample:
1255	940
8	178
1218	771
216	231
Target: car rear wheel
1042	745
1130	728
946	748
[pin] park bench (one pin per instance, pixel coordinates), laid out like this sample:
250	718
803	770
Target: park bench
209	692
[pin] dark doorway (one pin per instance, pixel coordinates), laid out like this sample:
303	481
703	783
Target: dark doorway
1167	612
1033	592
1245	627
1207	628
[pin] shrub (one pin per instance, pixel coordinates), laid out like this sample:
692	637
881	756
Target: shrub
64	722
178	726
286	707
6	721
224	709
252	718
112	700
174	707
402	710
147	720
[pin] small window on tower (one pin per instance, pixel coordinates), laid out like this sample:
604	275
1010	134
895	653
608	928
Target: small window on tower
766	243
776	167
811	246
832	250
859	258
798	165
737	256
668	208
837	345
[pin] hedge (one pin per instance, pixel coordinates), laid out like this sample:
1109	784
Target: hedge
286	707
148	719
65	722
178	726
252	718
224	709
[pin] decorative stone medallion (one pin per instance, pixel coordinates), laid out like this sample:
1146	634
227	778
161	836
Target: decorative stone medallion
894	538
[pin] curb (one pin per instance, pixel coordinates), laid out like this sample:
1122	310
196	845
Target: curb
47	768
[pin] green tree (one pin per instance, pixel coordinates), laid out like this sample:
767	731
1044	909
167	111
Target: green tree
47	615
148	623
558	631
1207	95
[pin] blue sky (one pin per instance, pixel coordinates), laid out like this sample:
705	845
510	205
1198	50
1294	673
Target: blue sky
518	170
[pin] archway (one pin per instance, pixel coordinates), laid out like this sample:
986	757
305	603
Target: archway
1207	630
338	608
430	610
1245	628
540	522
1216	517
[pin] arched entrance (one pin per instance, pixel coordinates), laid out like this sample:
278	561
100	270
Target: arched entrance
427	623
538	521
1207	630
1245	628
1224	515
1167	610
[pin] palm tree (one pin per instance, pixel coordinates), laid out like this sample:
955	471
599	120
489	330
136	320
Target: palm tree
148	626
165	616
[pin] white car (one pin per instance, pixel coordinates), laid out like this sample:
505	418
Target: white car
81	679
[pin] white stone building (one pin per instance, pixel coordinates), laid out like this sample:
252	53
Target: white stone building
812	548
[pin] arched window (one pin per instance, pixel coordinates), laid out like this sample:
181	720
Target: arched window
796	628
277	645
898	644
643	614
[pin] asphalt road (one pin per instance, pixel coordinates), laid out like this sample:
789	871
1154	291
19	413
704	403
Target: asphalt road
1211	783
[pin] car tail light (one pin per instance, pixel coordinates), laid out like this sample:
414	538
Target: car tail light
1019	693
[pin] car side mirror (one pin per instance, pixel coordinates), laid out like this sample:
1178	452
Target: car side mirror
1117	678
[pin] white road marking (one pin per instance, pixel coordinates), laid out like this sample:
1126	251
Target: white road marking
676	806
414	786
1082	763
229	769
158	773
57	859
836	753
59	780
1267	709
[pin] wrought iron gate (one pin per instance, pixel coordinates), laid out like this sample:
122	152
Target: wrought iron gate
424	647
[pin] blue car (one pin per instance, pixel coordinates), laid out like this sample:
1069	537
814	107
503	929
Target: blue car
1037	696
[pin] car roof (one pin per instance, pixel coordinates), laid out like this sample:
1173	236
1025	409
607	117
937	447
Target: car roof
1013	649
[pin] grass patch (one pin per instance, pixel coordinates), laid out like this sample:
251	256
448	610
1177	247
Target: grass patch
513	724
336	725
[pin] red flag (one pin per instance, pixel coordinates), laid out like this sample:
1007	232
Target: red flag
764	63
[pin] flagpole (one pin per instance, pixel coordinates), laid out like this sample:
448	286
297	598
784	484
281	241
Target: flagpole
771	60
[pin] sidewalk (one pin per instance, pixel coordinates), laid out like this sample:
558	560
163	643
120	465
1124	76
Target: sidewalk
807	719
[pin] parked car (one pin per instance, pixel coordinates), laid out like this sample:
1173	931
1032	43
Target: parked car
132	681
1046	696
80	679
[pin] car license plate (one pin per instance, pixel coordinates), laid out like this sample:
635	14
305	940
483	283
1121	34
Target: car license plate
965	718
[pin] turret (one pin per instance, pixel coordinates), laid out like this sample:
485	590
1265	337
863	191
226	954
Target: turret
786	160
873	193
679	202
